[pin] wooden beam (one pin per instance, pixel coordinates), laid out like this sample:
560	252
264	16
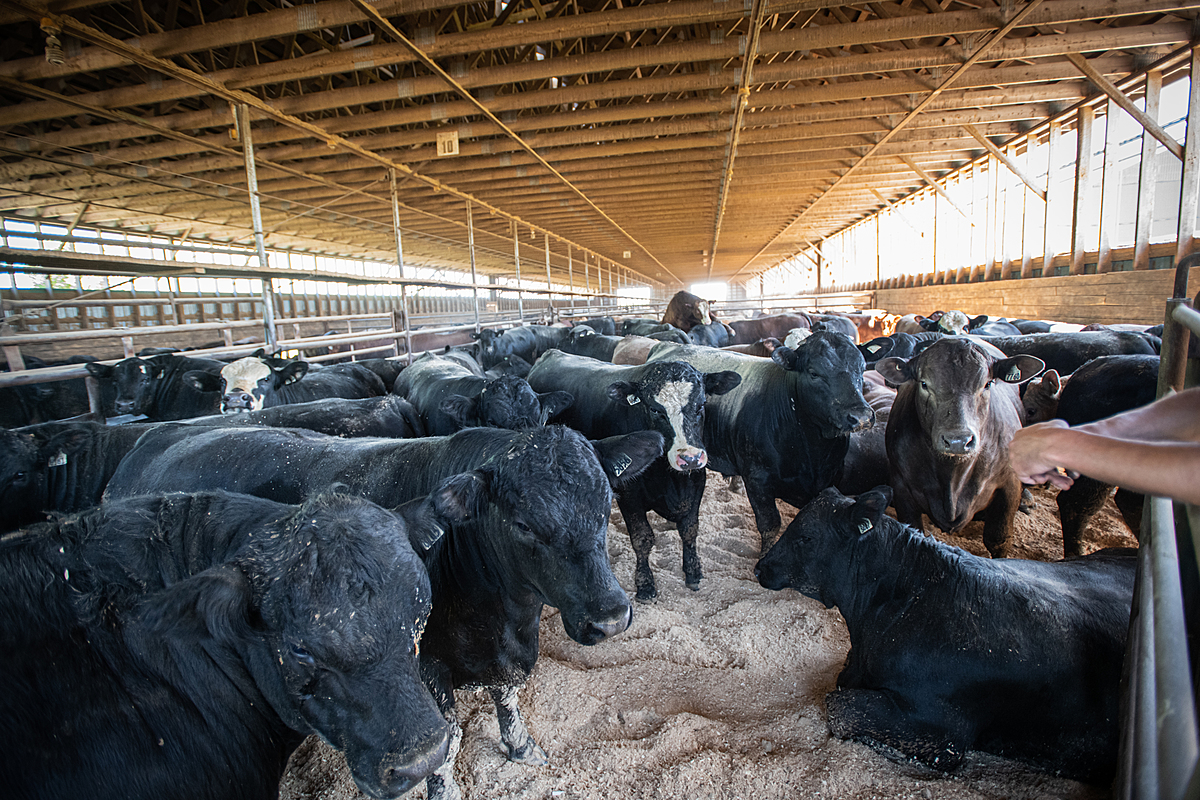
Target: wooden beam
1189	190
1004	159
1083	186
1144	119
929	179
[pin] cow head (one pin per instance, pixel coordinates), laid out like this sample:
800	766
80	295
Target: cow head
953	323
686	310
829	374
1040	400
325	610
814	552
492	347
26	461
952	382
245	383
506	402
669	398
545	502
136	381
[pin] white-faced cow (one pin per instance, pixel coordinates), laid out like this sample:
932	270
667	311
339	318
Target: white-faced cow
257	382
786	428
951	652
663	396
532	531
686	311
184	645
956	409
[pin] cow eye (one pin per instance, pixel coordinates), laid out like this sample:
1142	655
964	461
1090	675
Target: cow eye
520	525
302	656
988	385
924	385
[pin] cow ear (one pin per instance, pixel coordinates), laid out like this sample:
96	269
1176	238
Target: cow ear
290	372
721	382
786	357
99	370
895	370
869	508
474	335
927	324
54	451
624	391
202	381
625	457
259	353
458	499
554	403
215	603
1051	382
156	370
459	408
975	322
876	348
1017	369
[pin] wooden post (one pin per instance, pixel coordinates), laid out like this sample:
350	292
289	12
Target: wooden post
517	261
571	275
1053	141
549	295
1109	184
268	291
1083	186
471	250
1147	177
1026	239
1189	190
400	267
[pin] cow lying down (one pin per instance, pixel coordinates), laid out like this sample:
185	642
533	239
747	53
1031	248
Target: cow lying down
951	652
184	645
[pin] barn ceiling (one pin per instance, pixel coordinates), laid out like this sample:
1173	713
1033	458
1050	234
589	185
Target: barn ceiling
685	141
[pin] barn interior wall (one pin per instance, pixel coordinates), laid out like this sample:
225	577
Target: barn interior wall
1137	297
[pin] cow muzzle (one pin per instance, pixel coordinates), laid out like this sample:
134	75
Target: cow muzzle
124	406
397	773
957	443
596	631
237	402
690	459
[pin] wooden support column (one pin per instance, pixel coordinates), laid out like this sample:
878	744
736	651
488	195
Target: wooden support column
1109	186
400	266
471	250
571	275
1147	176
1026	239
549	295
1053	200
242	112
1083	186
1189	191
517	262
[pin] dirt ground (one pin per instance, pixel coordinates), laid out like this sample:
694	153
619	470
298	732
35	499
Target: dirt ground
710	695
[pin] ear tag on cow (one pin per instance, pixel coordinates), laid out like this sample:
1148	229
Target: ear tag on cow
59	460
633	399
1013	375
864	525
874	348
621	464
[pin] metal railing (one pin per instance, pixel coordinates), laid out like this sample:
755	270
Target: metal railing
1160	743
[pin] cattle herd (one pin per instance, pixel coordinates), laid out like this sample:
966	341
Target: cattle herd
268	548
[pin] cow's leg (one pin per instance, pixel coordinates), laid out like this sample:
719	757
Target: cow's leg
641	538
907	510
870	714
685	491
766	513
441	784
1131	504
520	745
1076	507
998	519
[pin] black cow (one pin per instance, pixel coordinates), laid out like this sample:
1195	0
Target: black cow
663	396
714	334
58	466
157	388
1067	352
866	464
786	428
187	644
388	369
259	381
605	326
47	401
583	341
955	412
526	341
950	652
641	326
389	416
449	398
536	533
686	310
1099	389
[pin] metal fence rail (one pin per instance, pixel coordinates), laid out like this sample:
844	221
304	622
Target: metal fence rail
1160	745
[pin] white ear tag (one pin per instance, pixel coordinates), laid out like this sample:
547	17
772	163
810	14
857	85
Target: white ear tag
59	460
864	525
621	464
874	348
633	399
1013	375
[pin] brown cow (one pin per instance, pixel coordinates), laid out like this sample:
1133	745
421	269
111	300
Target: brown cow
687	310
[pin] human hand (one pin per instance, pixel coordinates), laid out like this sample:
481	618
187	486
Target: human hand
1029	454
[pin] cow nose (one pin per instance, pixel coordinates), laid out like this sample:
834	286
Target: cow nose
124	406
860	420
958	443
596	631
396	777
691	460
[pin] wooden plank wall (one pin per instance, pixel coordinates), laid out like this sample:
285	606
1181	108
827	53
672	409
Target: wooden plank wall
1137	297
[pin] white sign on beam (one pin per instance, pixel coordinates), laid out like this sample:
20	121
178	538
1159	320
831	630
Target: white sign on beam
447	143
